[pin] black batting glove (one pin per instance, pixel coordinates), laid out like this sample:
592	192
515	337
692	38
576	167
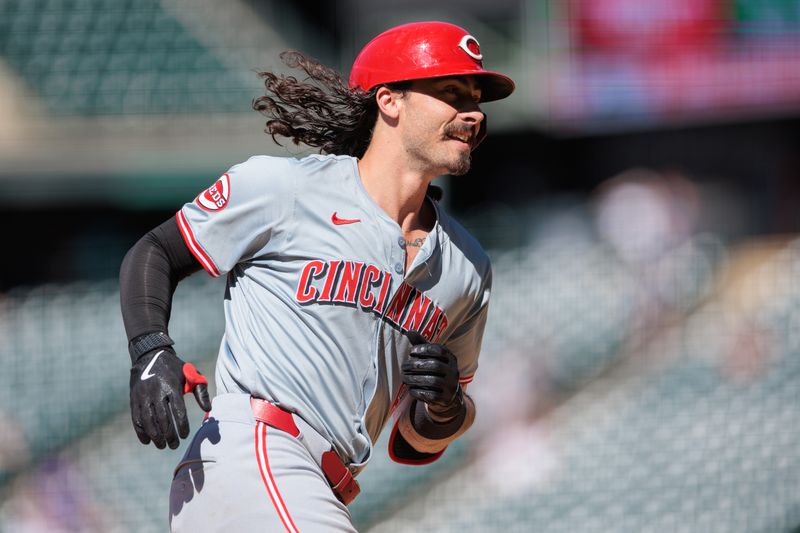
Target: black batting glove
159	379
431	375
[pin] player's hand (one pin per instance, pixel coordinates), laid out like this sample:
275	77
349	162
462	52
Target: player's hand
159	379
431	375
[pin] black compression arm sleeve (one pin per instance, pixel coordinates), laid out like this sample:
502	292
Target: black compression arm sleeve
148	276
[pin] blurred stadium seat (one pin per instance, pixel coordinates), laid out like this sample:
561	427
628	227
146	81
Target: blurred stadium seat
112	57
68	382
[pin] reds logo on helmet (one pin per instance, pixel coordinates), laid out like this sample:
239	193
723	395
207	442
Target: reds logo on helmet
471	46
215	198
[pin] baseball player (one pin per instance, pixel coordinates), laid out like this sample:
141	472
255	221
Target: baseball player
353	299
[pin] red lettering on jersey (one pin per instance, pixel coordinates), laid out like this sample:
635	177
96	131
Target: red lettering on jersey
416	312
305	292
440	328
430	326
356	284
387	282
398	305
327	289
348	283
365	297
215	198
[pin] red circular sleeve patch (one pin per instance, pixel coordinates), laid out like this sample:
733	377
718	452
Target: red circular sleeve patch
215	198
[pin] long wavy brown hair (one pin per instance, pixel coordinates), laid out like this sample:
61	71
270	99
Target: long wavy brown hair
320	110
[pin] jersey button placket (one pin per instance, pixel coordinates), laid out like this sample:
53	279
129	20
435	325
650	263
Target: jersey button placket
398	257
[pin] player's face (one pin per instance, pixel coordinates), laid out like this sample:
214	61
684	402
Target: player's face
442	120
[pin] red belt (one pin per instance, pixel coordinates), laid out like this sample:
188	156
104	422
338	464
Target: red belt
341	480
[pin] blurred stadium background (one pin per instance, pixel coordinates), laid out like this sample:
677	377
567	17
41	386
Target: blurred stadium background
638	194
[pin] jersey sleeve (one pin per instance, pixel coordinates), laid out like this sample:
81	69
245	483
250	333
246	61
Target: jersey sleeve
465	341
243	211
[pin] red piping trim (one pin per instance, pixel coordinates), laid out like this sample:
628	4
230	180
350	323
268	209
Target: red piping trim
272	487
194	246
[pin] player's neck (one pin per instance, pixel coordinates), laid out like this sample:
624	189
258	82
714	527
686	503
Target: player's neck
398	190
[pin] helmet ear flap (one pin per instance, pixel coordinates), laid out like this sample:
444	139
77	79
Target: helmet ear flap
481	133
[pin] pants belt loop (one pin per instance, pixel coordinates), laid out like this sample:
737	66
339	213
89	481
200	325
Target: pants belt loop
274	416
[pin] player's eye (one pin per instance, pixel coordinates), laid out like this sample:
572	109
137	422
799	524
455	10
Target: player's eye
456	93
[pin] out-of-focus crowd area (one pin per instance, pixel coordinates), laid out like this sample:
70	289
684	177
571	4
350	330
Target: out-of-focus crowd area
638	196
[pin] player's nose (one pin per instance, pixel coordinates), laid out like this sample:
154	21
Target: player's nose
473	119
473	115
470	107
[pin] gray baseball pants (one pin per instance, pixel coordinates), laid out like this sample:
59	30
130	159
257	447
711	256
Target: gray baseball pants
240	475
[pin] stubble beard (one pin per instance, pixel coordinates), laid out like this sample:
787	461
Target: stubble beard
461	166
457	165
436	154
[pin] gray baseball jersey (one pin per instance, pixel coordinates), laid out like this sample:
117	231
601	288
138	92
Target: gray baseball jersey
319	310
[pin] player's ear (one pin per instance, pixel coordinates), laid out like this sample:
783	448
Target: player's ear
389	102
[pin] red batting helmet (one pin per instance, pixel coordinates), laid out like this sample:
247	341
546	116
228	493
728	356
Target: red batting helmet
426	50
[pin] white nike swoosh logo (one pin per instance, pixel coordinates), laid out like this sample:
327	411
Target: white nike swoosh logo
146	374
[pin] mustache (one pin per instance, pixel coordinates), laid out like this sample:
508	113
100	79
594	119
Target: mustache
455	129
